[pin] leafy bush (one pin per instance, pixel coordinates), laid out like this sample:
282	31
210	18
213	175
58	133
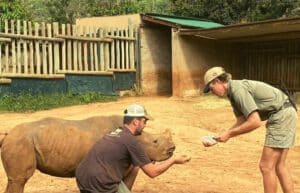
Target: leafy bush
29	103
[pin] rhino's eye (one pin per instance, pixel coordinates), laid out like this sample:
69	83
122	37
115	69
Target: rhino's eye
155	141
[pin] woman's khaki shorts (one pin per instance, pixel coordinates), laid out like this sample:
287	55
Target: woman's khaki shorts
281	129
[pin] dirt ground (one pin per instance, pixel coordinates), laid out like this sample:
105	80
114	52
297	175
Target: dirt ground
230	167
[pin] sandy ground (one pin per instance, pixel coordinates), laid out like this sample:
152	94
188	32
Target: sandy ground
224	168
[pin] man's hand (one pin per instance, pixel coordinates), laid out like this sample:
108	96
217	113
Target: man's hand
153	170
223	137
182	159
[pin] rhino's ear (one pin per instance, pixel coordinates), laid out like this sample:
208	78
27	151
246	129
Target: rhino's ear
167	132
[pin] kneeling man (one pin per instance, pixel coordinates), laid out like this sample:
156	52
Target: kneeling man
112	164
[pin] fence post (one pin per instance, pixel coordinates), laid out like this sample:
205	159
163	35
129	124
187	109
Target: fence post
85	62
0	54
102	65
63	49
50	51
0	58
25	50
56	48
74	34
37	50
13	46
112	50
106	50
44	49
69	48
18	47
6	48
118	50
96	61
31	60
122	50
92	45
126	53
79	33
131	48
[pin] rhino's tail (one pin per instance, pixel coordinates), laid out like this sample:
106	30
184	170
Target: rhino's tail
2	136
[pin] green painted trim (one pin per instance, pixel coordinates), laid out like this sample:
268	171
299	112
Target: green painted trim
189	22
33	86
90	83
106	84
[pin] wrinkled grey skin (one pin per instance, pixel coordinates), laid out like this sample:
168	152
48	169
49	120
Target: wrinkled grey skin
56	146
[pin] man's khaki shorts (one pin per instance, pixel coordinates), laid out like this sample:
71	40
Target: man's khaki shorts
281	129
123	188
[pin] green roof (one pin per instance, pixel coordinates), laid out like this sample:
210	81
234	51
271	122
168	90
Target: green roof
185	21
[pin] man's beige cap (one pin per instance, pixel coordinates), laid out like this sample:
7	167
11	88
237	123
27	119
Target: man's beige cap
136	110
210	75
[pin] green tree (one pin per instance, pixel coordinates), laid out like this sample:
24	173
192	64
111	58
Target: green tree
235	11
66	11
222	11
38	11
10	9
63	11
269	9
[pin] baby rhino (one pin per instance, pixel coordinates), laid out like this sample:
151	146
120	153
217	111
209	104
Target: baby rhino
56	146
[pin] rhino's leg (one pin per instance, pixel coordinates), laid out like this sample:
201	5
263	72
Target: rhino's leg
19	162
16	186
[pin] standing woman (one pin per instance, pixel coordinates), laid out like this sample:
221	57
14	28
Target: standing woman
253	102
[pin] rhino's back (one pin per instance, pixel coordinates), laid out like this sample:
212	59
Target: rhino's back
59	145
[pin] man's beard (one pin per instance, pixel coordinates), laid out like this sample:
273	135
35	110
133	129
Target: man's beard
139	131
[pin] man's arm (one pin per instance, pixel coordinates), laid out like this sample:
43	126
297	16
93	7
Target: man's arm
252	122
239	120
153	170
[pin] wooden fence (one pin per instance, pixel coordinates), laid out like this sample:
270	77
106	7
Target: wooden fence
275	62
45	50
